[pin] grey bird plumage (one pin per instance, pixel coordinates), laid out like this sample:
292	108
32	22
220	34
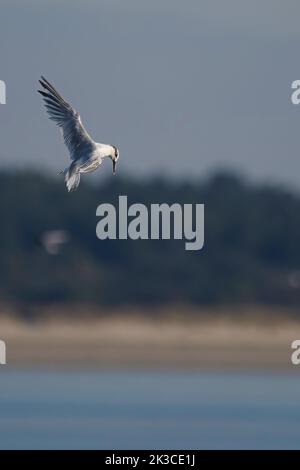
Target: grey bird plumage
85	154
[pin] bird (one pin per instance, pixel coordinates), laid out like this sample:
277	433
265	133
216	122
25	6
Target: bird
86	155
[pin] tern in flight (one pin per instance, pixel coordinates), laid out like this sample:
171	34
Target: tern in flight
86	154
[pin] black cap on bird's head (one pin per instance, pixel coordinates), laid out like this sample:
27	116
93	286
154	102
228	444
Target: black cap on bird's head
115	158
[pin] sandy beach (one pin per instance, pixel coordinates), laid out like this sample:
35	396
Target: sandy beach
171	340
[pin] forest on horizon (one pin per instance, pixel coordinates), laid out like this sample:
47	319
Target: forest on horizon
251	253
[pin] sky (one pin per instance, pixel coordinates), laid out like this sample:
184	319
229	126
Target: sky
182	88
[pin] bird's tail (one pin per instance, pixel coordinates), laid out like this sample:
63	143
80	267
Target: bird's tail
72	177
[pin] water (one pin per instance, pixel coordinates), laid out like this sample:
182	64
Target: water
98	410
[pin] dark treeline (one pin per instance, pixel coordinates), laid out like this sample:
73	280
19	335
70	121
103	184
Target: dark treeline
251	251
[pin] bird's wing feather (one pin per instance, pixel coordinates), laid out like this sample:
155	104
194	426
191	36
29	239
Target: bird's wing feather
75	136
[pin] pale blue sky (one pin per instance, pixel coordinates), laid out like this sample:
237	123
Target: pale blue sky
181	87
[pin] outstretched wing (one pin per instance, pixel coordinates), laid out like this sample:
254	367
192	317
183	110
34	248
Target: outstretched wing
75	136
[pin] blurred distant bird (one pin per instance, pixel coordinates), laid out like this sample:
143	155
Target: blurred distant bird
86	155
53	240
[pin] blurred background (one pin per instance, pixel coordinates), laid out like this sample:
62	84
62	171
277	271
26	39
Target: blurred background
141	344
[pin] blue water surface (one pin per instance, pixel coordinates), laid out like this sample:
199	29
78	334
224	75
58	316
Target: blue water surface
153	410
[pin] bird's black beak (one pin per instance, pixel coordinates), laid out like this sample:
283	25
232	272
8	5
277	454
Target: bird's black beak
114	166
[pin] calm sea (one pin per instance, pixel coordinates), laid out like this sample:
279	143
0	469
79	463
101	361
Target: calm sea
111	410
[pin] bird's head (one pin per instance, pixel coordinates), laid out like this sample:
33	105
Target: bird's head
114	157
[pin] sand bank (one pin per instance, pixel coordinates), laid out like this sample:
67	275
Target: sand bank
166	341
